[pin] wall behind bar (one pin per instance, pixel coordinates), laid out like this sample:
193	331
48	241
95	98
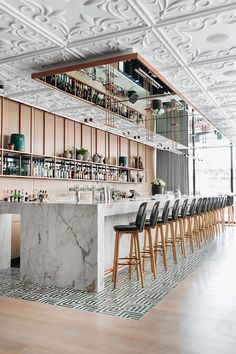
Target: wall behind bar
173	169
49	134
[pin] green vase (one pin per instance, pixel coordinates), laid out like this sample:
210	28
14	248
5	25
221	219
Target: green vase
123	160
157	189
19	141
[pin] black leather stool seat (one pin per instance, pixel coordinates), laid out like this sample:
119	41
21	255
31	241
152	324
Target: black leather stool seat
128	228
160	221
147	223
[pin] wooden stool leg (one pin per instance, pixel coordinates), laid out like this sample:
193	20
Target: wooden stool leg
163	246
131	254
182	232
190	232
136	256
144	248
152	260
173	240
115	266
156	244
139	259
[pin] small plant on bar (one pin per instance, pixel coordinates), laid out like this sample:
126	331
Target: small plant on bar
158	182
82	151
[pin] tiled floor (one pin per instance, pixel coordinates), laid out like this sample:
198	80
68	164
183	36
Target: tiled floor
129	300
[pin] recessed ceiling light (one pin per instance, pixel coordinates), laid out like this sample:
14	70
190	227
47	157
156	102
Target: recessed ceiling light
230	73
217	38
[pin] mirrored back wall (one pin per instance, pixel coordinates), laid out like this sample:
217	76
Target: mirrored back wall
51	140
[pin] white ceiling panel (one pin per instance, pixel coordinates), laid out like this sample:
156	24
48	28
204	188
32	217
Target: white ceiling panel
191	42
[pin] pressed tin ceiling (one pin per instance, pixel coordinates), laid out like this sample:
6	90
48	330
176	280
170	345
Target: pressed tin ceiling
190	42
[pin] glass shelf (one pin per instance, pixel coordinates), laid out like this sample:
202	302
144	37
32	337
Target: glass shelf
22	164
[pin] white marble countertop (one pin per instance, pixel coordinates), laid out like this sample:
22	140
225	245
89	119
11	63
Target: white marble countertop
126	206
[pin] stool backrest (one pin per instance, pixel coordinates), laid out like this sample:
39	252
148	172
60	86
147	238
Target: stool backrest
221	203
175	210
184	208
192	207
209	202
141	216
199	206
230	200
154	215
216	202
212	203
165	212
204	205
224	202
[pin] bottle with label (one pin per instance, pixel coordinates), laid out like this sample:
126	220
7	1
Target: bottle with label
26	197
22	198
15	196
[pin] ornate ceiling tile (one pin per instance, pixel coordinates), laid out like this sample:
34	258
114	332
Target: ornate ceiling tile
205	38
225	99
200	100
15	81
141	42
50	100
181	80
37	62
217	75
78	19
162	10
18	38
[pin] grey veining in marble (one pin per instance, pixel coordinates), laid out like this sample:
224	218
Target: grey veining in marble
67	245
5	240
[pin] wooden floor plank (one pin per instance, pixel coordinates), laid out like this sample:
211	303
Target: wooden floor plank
197	317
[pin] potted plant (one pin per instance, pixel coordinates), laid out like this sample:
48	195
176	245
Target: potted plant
96	158
84	153
100	156
158	186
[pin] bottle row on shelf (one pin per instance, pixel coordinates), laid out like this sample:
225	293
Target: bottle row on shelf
72	86
14	196
63	169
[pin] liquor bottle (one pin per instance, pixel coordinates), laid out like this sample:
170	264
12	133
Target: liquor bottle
89	94
77	88
11	196
6	193
48	79
72	86
95	97
67	83
15	198
58	80
22	198
85	92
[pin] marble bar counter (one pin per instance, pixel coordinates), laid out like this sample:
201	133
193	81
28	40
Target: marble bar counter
67	245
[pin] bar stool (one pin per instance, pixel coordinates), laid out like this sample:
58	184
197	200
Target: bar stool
211	218
202	220
148	226
196	218
222	208
206	220
190	219
172	222
133	230
215	215
182	226
161	245
230	209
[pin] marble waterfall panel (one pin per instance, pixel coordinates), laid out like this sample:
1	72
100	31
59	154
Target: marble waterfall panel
59	246
5	240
